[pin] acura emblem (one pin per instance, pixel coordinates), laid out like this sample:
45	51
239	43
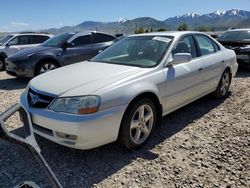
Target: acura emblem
35	99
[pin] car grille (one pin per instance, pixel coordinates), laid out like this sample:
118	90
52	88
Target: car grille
37	100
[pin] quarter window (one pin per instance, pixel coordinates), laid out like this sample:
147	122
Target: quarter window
82	40
205	44
186	45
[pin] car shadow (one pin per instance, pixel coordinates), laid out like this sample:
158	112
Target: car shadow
76	168
14	83
243	72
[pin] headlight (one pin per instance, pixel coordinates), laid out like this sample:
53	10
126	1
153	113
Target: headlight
76	105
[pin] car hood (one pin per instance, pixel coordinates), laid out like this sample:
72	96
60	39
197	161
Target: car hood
29	51
234	43
82	78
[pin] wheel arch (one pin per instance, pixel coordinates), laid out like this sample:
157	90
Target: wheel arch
149	95
3	55
51	59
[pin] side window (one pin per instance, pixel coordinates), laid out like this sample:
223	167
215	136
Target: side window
14	41
99	38
38	39
186	45
23	40
216	47
82	40
205	44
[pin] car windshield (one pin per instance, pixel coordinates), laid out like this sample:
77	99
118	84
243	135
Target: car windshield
58	40
141	51
235	36
5	39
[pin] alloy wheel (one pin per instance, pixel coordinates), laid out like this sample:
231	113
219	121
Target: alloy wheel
47	67
141	124
225	82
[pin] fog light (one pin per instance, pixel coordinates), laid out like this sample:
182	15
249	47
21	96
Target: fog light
67	136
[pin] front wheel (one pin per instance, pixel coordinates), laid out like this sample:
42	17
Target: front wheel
138	124
223	86
46	67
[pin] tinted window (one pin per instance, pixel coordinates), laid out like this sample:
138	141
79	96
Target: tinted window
99	38
205	44
58	40
23	40
37	39
235	35
82	40
186	45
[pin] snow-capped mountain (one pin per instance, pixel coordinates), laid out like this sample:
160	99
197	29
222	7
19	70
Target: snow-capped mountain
192	15
217	19
122	20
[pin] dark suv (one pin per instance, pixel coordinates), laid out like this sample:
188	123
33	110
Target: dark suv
61	50
239	41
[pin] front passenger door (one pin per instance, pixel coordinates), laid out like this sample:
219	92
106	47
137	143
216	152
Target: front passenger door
184	80
80	51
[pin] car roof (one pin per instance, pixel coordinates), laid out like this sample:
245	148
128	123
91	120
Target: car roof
81	33
20	34
168	33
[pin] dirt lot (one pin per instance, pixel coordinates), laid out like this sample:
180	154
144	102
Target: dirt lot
205	144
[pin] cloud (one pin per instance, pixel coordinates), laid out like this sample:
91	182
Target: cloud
60	24
19	24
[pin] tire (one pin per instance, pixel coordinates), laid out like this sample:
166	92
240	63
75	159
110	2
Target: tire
46	67
135	128
2	64
223	86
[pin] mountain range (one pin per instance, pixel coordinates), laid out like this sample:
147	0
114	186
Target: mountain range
216	21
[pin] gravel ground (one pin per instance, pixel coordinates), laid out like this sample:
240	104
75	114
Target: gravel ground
205	144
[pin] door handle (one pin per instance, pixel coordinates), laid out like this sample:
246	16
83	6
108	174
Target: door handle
200	69
222	61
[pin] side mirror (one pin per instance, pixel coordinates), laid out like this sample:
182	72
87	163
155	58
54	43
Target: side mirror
181	58
68	45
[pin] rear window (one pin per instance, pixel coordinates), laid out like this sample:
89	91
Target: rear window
100	38
235	36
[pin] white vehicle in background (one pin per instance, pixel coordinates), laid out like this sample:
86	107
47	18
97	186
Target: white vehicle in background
123	92
12	43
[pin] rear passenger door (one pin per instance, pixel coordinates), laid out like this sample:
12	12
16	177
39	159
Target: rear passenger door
80	51
213	61
101	41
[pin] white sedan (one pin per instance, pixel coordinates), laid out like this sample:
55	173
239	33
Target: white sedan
123	92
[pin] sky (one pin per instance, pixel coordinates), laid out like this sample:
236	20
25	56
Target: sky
18	15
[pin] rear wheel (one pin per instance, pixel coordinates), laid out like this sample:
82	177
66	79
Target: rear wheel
224	84
138	123
46	67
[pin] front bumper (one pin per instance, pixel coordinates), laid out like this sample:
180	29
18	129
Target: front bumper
20	69
76	131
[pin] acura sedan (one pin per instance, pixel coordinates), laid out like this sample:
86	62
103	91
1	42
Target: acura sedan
122	93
